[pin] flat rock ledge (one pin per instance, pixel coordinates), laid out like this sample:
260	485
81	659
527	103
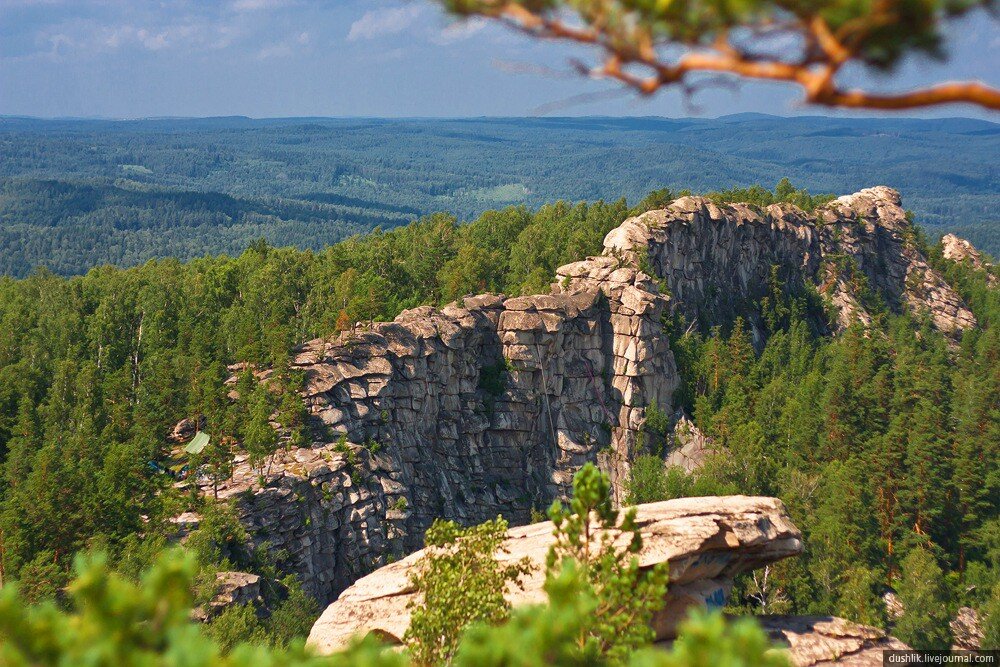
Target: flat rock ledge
707	542
817	641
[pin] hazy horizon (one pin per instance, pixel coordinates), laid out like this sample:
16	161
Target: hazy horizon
747	114
122	59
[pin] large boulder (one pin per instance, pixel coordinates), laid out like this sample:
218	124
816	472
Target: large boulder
706	541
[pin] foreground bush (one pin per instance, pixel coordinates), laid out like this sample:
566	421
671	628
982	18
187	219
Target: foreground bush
600	606
115	623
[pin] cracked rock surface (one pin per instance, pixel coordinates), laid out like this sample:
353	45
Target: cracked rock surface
490	405
817	641
706	541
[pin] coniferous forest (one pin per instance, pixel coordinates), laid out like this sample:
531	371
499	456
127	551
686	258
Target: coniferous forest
883	442
413	389
77	194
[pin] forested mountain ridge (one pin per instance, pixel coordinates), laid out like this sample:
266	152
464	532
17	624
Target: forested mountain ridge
492	404
846	429
336	177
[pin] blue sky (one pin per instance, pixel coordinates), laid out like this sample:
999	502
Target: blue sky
265	58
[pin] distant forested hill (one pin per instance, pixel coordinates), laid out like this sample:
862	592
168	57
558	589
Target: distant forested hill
78	193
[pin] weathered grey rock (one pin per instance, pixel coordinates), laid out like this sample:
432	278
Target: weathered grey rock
966	630
707	541
185	429
716	259
186	523
490	405
960	250
688	446
893	605
231	589
815	641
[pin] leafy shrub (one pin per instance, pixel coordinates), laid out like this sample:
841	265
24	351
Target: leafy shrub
625	597
459	583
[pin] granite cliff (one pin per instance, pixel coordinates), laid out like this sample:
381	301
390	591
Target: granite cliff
489	406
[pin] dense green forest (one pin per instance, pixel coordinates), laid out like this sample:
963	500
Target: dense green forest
883	443
76	194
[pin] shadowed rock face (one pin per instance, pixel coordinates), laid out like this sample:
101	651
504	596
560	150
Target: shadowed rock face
716	260
706	541
491	405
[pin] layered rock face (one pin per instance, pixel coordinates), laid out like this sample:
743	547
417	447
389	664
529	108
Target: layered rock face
716	260
489	406
466	412
706	541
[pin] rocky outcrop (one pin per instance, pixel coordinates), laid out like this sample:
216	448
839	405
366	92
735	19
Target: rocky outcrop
484	408
231	589
966	630
490	405
961	251
716	260
687	446
706	541
816	641
186	429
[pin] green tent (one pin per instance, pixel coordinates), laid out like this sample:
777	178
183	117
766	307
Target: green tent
197	443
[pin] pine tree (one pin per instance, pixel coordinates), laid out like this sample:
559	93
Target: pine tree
259	438
923	594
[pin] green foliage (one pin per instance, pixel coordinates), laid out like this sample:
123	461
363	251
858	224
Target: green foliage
784	192
991	621
626	597
926	606
654	430
876	442
459	582
708	639
236	624
96	369
289	621
546	635
859	598
220	539
648	482
217	457
493	377
259	438
115	622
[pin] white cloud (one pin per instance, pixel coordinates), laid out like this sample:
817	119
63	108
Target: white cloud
152	39
258	5
285	48
382	22
459	31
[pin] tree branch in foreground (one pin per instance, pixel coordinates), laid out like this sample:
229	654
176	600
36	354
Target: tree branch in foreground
723	37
